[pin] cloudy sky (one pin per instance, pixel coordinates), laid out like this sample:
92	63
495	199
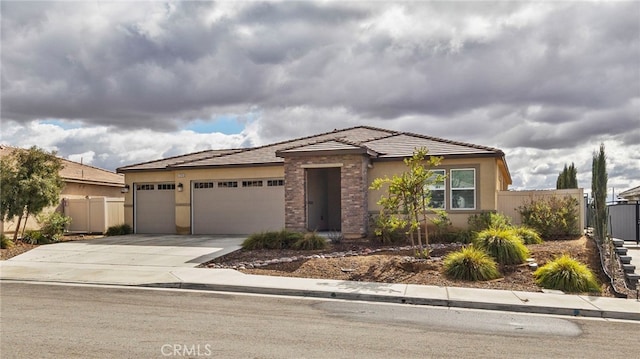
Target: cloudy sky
116	83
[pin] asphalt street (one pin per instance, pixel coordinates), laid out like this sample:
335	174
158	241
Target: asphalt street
72	321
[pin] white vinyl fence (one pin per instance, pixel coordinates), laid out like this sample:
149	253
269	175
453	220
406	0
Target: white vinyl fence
93	214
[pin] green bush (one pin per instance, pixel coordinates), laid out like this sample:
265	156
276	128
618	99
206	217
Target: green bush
119	230
528	235
35	237
568	275
470	264
389	229
310	241
486	220
503	245
458	236
53	225
272	240
552	218
5	242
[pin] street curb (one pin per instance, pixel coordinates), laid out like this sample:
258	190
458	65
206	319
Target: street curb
449	303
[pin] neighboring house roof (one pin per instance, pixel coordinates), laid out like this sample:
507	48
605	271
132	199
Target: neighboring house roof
631	194
378	143
79	173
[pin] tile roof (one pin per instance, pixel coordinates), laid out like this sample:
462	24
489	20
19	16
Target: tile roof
377	142
80	173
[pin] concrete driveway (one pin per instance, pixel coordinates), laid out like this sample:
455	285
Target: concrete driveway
136	250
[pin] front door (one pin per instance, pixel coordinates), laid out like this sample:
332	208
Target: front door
323	199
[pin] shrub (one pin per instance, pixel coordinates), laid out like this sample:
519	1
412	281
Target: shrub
503	245
486	220
119	230
5	242
35	237
459	236
528	235
53	225
336	237
552	218
470	264
310	241
568	275
271	240
389	229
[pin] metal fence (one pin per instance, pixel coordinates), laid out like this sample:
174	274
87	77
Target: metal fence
624	221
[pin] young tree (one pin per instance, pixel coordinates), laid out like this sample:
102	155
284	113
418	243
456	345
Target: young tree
408	196
30	183
568	178
599	191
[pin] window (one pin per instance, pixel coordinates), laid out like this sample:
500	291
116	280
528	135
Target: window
251	183
463	189
228	184
166	186
199	185
437	190
275	183
145	187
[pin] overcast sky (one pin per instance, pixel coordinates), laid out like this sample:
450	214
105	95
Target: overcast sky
117	83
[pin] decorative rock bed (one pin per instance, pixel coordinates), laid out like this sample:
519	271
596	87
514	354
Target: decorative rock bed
351	253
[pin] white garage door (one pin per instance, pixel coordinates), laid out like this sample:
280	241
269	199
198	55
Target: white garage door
155	208
241	206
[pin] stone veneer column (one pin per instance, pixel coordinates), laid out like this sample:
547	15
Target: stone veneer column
353	178
294	207
354	196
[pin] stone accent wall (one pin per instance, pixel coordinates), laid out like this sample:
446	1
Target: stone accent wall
353	177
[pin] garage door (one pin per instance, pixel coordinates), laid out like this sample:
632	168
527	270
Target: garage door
155	208
239	206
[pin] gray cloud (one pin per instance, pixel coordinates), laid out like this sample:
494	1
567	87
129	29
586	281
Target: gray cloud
543	76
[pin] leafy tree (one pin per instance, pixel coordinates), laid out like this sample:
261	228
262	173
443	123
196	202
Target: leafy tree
408	196
568	178
30	182
599	179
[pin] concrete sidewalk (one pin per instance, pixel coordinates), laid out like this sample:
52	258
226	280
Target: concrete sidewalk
233	281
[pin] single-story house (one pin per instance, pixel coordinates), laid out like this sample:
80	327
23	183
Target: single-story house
319	182
632	194
80	181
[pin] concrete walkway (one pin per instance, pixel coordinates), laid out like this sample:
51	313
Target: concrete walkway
74	268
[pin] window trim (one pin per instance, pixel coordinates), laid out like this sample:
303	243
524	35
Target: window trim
474	189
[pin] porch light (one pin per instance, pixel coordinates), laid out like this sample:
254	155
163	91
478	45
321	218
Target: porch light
180	187
125	189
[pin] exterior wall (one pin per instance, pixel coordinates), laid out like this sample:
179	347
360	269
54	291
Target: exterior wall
186	176
509	201
353	198
489	180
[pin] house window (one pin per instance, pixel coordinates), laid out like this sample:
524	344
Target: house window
437	190
166	186
251	183
145	187
201	185
463	188
275	183
228	184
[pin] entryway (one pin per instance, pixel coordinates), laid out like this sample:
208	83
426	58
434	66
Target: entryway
323	199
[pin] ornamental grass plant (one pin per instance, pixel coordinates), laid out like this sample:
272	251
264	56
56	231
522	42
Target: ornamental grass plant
503	244
471	264
568	275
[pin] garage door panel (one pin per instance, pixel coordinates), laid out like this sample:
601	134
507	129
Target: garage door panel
155	208
237	210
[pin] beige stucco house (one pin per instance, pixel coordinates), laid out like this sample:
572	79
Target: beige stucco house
319	182
80	181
